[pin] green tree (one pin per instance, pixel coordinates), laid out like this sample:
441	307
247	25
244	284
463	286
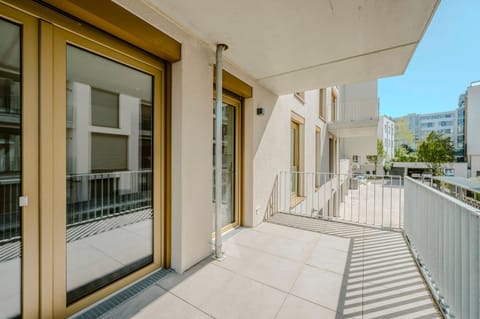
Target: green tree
405	153
403	134
381	154
434	150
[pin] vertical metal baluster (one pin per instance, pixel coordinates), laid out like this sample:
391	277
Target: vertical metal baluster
391	200
350	193
383	195
359	203
324	187
366	202
344	197
318	177
4	208
95	194
400	188
102	195
375	200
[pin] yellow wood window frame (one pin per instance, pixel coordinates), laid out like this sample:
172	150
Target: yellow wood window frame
237	104
30	217
45	34
60	38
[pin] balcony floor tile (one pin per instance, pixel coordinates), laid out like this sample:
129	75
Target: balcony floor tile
296	267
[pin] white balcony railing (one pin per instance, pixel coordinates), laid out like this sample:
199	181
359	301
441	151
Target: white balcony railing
443	233
374	200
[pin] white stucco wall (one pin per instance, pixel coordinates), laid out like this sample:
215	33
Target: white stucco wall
271	144
266	142
472	117
359	101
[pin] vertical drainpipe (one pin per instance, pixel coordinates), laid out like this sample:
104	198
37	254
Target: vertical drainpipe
218	151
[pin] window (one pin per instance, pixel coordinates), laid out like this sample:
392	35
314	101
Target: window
105	108
318	156
300	96
109	164
321	111
109	153
295	157
355	158
333	113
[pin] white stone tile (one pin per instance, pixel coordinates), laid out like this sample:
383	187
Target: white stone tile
274	271
244	298
121	245
288	232
319	286
252	238
85	263
274	244
169	306
198	288
328	259
301	309
334	242
288	248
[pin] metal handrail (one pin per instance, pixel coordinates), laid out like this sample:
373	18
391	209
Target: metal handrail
373	200
443	233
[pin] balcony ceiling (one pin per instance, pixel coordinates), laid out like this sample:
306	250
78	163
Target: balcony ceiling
297	45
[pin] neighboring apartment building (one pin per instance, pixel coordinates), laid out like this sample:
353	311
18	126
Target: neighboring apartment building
106	128
450	124
360	127
472	132
386	133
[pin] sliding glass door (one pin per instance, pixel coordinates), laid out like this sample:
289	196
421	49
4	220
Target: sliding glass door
18	160
230	161
109	173
108	109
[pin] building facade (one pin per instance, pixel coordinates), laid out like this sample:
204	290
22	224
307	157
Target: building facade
107	135
450	124
386	134
360	127
472	118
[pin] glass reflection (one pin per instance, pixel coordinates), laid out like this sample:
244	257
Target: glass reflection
109	171
10	169
228	161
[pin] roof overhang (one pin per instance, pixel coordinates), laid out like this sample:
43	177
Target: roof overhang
357	128
290	46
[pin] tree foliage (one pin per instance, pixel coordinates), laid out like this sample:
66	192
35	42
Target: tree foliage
379	157
434	150
405	153
402	133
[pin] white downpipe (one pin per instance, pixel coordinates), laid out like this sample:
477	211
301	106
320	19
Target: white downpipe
218	151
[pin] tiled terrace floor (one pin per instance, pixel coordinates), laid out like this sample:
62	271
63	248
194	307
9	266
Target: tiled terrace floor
275	271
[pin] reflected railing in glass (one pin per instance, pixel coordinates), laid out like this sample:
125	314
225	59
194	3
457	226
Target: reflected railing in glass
97	196
10	228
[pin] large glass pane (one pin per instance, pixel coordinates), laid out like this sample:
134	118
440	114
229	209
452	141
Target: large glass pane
228	167
109	171
10	169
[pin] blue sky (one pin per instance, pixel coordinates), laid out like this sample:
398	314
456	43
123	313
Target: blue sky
446	61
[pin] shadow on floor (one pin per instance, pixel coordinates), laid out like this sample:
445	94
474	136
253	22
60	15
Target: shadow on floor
381	278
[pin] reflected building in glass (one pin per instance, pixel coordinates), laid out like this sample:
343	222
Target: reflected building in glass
109	171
